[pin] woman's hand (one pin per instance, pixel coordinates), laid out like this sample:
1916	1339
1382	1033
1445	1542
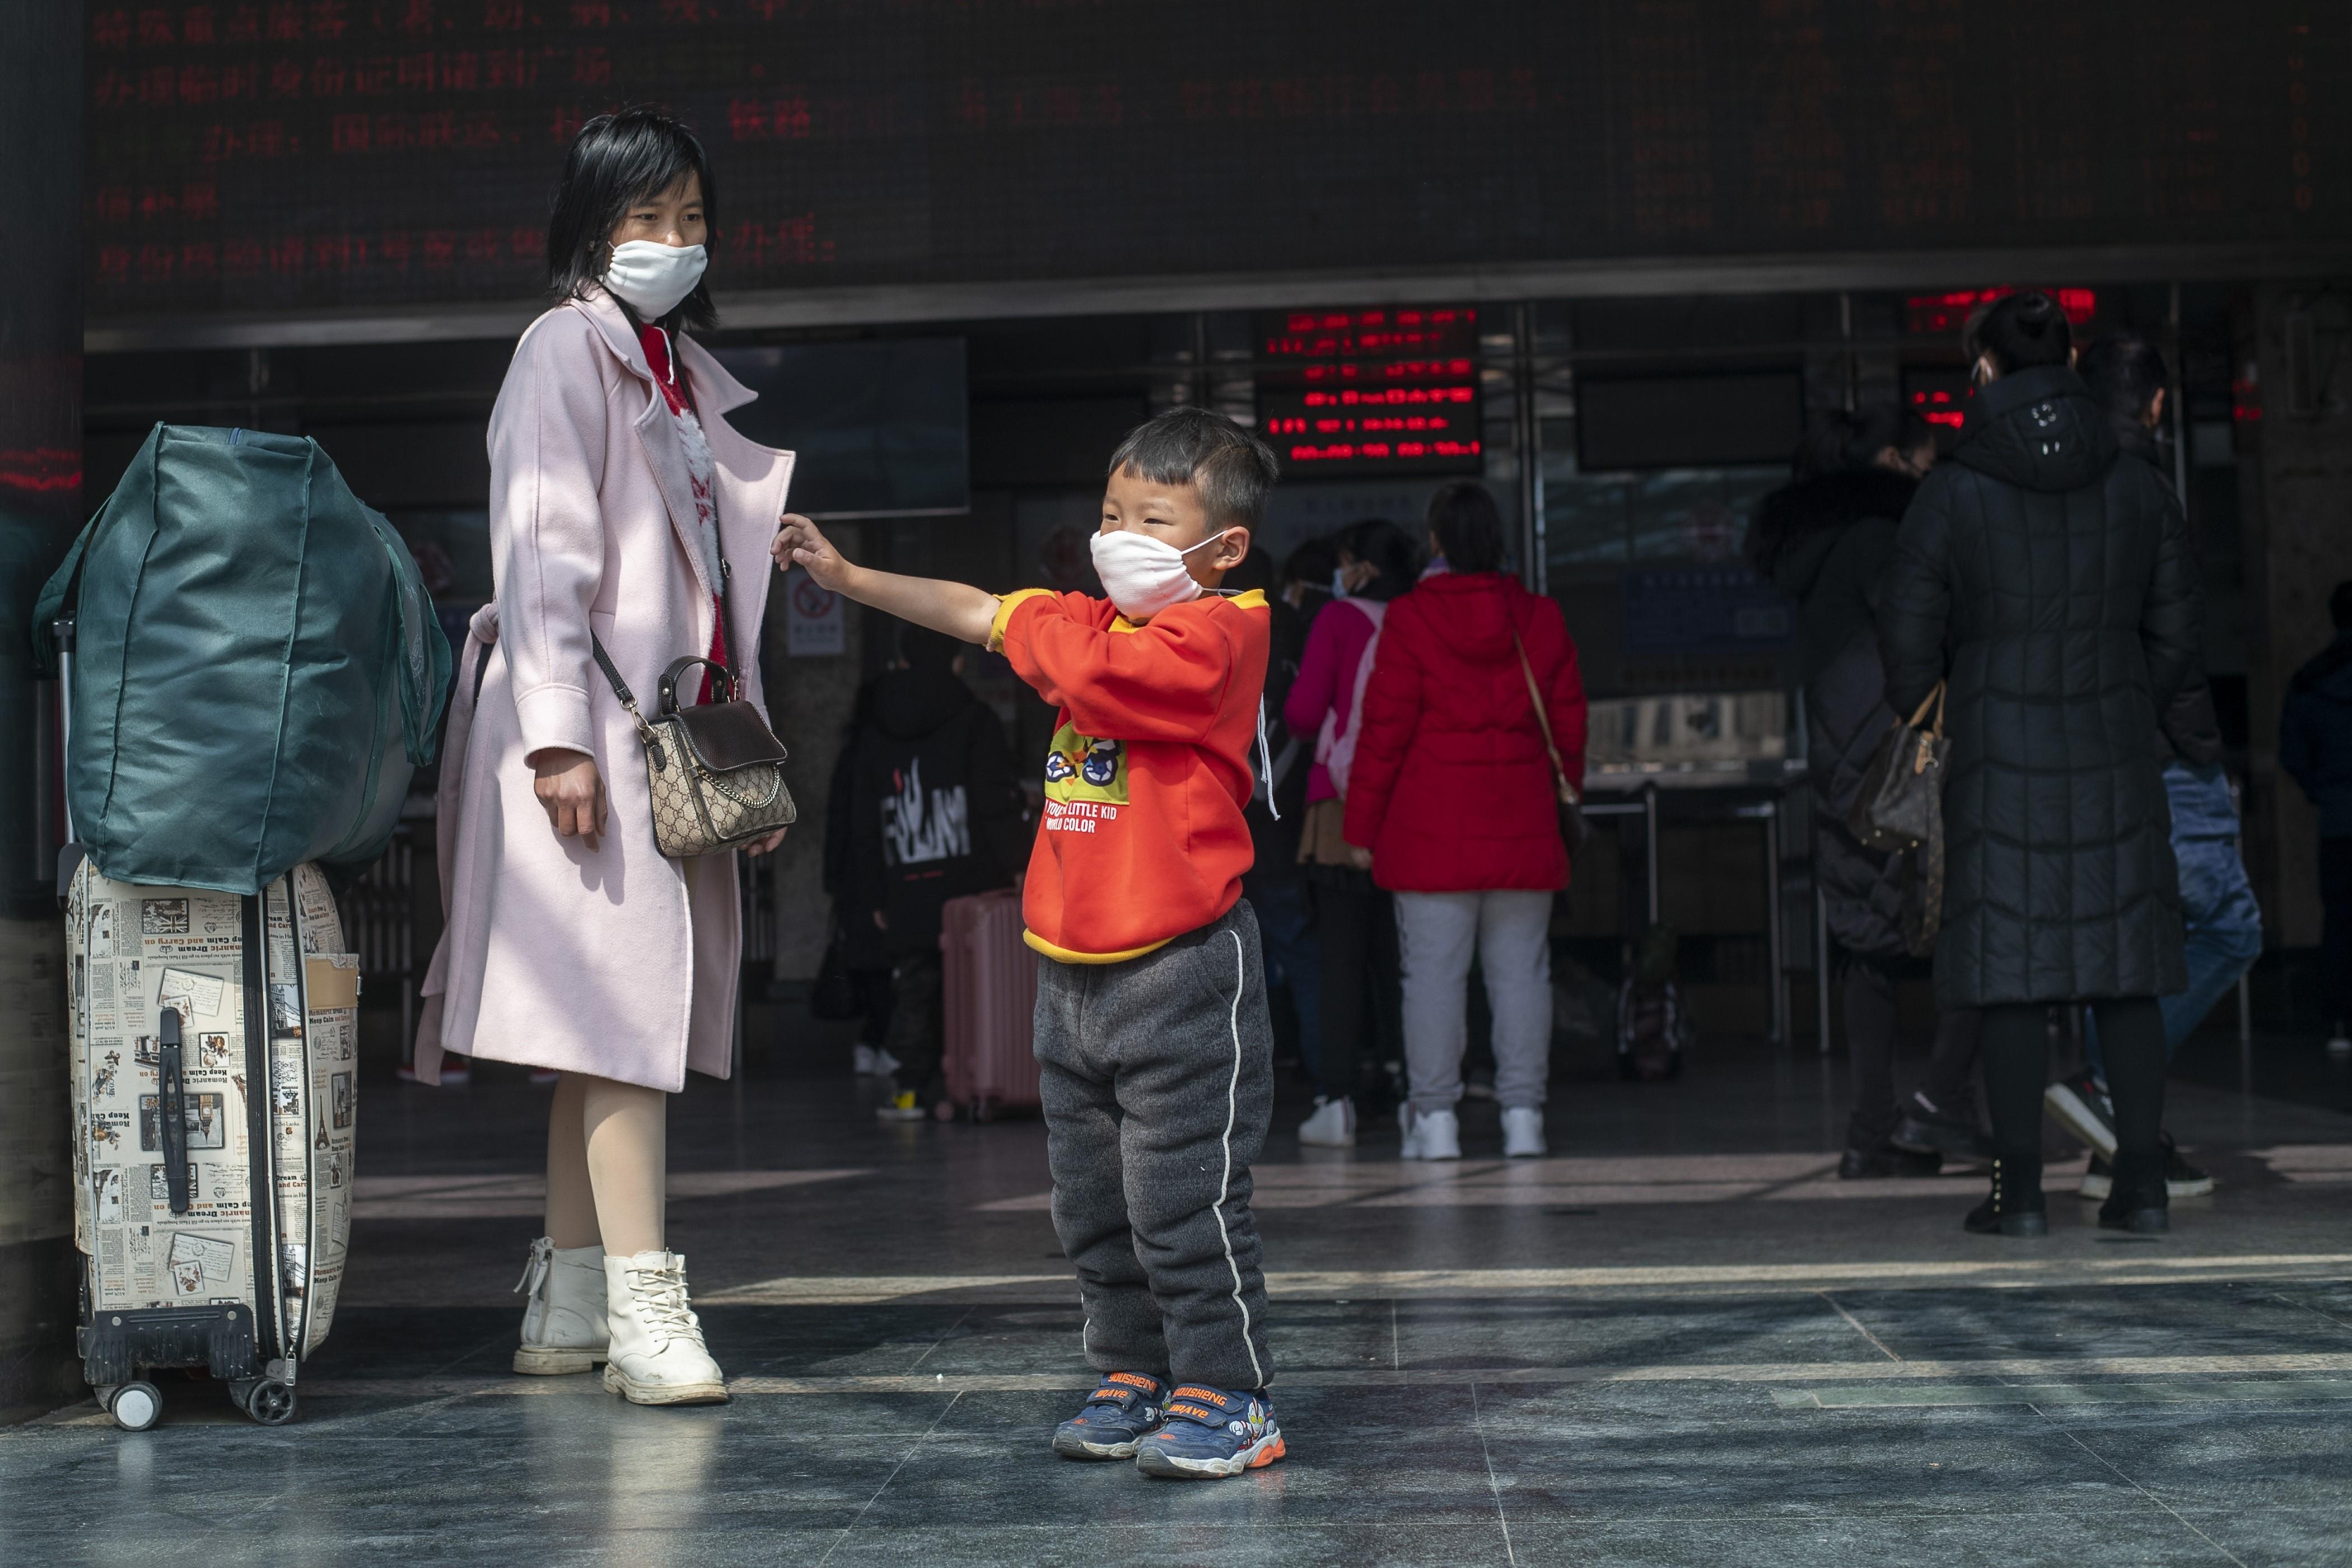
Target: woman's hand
798	543
1362	859
572	792
766	846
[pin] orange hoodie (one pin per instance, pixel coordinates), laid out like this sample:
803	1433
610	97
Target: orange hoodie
1149	767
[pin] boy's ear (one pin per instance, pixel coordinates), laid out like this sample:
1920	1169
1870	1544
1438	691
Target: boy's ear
1232	549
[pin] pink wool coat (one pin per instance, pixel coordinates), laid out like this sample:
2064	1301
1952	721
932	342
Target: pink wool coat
616	960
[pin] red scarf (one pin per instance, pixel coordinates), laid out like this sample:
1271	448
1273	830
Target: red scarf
679	394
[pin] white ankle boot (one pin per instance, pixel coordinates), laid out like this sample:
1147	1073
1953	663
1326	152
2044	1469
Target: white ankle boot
563	1322
1523	1133
657	1356
1333	1125
1431	1135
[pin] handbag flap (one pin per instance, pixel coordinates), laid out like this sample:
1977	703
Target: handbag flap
724	736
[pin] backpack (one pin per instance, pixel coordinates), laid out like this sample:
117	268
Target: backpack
257	667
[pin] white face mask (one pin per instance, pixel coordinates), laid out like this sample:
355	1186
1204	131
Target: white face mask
653	278
1144	575
1338	582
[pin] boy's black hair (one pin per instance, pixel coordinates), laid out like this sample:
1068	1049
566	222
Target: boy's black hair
1232	468
1468	526
2125	372
2339	606
1849	441
614	162
2021	332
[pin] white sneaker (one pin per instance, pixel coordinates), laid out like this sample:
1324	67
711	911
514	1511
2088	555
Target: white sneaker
563	1325
2339	1044
657	1356
862	1060
1523	1132
1333	1125
1431	1135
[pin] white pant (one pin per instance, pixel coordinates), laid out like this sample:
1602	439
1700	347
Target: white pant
1509	929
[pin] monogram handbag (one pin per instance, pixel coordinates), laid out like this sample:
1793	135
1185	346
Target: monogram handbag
1901	802
716	771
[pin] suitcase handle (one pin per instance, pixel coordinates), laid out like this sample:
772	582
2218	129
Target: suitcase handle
171	1110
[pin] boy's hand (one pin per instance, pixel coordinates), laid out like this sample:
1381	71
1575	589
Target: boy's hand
958	609
798	543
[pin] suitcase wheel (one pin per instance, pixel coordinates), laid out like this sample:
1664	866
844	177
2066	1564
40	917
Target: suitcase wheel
265	1399
135	1405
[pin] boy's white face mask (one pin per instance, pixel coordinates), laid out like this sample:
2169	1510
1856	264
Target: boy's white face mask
1144	575
652	277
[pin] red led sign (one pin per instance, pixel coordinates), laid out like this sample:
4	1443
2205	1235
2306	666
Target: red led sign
1363	334
1382	391
1932	314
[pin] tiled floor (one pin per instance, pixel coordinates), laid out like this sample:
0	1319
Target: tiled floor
1679	1340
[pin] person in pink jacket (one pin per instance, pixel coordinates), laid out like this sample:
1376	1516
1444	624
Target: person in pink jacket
1454	805
1354	925
623	509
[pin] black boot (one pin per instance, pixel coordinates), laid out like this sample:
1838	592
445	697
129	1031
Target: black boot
2016	1206
2137	1198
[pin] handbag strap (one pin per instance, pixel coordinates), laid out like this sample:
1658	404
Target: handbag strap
1543	720
1933	700
620	688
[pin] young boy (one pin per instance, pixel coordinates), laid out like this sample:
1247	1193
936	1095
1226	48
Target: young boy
1151	1032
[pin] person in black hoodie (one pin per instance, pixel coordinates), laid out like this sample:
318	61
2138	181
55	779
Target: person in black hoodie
930	811
1823	541
2051	582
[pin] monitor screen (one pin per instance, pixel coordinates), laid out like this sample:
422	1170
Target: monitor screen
880	428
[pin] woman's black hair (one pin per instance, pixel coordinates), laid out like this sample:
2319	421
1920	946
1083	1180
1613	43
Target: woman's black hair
1468	526
1392	552
1312	563
2125	372
615	162
1850	441
2021	332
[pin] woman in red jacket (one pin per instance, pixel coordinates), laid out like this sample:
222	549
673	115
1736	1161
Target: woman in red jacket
1453	805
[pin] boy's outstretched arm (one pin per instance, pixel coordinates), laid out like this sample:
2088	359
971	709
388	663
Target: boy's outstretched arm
958	609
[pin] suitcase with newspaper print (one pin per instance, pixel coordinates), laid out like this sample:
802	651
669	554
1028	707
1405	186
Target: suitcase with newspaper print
989	988
213	1059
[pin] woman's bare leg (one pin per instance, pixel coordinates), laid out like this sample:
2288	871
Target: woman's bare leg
570	1201
626	1127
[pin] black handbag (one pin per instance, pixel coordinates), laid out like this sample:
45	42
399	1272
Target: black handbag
1900	805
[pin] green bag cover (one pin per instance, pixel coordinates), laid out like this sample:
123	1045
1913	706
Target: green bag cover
256	669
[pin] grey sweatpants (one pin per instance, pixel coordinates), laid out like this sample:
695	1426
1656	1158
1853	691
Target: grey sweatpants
1157	1080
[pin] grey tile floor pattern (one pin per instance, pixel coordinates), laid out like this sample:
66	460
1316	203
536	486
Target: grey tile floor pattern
1677	1342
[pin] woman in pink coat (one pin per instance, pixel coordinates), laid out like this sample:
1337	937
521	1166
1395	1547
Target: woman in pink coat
623	508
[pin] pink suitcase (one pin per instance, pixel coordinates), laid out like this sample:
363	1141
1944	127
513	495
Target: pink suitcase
990	1001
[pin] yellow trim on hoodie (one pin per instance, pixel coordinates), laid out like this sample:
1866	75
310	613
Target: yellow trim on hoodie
1068	956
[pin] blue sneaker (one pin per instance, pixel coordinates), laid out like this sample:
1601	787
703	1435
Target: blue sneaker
1117	1416
1210	1433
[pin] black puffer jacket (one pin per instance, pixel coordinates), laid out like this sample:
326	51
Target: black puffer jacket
2060	577
1824	541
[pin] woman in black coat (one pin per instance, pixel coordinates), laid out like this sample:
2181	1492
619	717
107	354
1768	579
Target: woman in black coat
2051	582
1824	540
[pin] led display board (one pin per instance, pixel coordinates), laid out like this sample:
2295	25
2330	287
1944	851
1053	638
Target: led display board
265	155
1382	391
